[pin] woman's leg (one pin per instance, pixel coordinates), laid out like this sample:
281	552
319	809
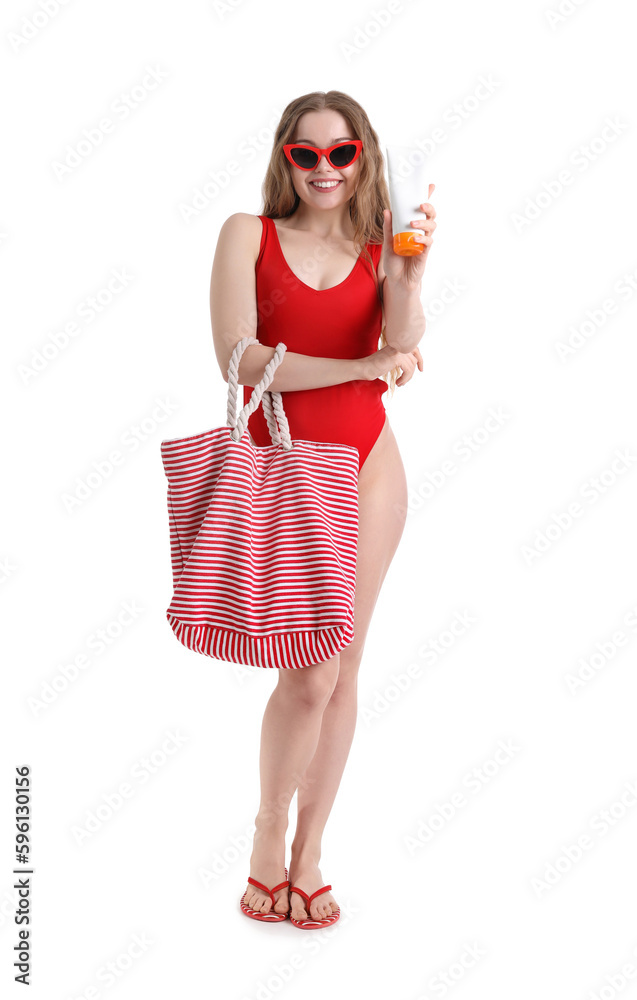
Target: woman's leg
382	514
289	736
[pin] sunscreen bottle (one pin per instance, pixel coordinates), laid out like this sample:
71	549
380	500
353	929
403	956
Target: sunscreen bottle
407	185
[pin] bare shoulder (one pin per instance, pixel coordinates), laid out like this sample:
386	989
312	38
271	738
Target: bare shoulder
242	230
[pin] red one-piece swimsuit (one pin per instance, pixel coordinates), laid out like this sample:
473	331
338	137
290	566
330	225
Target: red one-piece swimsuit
339	322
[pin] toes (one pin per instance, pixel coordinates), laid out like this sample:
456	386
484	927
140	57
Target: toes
321	911
259	903
298	910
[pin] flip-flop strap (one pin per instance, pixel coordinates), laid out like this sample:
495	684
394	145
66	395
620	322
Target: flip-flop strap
281	885
318	892
259	885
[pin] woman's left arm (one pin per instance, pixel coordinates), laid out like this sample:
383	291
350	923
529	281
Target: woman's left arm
402	285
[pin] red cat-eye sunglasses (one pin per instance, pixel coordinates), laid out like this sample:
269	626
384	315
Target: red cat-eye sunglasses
341	154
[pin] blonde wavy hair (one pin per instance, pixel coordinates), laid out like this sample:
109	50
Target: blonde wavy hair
368	201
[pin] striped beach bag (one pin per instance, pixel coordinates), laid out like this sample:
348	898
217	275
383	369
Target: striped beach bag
263	540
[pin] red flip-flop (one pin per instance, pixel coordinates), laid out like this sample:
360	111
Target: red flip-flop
309	923
271	917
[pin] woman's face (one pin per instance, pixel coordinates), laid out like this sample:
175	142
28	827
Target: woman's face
323	129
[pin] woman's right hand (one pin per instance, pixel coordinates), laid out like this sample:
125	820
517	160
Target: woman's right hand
382	362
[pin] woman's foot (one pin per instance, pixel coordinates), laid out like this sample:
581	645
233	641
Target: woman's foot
267	865
307	876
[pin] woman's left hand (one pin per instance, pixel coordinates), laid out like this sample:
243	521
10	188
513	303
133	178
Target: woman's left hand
408	270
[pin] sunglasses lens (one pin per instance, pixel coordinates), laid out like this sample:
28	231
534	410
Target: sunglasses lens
303	157
343	155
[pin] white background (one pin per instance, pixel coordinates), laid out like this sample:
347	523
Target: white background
533	260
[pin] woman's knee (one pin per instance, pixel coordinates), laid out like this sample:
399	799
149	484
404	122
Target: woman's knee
348	673
311	687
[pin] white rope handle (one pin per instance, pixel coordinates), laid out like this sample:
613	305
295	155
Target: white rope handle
272	402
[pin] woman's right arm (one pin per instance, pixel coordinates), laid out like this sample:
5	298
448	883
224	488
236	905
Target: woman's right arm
233	313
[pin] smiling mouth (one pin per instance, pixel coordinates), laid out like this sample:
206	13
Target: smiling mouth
326	185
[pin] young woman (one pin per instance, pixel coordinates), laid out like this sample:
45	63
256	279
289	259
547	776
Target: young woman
317	270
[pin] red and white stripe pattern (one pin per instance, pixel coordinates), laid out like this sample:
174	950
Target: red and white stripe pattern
263	547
